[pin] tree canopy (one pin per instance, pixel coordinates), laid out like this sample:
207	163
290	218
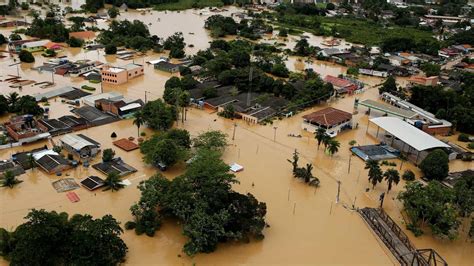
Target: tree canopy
51	238
158	115
435	166
203	201
167	147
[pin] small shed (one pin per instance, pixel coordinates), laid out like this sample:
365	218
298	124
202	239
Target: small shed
92	182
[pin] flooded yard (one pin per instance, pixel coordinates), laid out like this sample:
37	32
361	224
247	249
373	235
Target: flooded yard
307	226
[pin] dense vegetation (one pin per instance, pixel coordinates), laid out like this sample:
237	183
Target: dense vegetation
13	103
435	166
221	26
26	56
454	106
356	30
167	147
51	238
48	28
131	34
158	115
202	200
437	206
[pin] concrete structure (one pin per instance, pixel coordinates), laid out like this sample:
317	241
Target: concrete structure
120	75
79	146
331	119
121	108
341	86
24	129
424	81
36	46
406	138
424	120
167	66
91	99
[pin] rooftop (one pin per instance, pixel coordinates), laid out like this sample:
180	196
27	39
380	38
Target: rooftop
328	117
125	144
409	134
92	182
76	142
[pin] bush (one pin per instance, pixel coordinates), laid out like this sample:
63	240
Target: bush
113	12
25	6
75	42
108	155
463	137
435	166
408	175
470	146
110	49
130	225
26	57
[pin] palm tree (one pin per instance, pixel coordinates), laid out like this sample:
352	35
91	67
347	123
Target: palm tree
113	182
294	162
31	161
391	176
325	141
375	173
12	99
333	146
307	172
402	158
9	180
138	121
320	133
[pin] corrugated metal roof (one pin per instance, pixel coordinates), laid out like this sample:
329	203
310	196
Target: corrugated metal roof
409	134
76	142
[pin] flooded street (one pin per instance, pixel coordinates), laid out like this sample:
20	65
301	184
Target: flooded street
307	226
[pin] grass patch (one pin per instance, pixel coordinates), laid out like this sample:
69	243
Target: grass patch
188	4
362	31
87	88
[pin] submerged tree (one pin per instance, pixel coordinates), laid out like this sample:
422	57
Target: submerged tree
333	146
391	176
51	238
202	200
9	180
113	182
294	161
320	135
138	121
375	173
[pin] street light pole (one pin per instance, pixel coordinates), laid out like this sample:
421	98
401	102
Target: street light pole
274	133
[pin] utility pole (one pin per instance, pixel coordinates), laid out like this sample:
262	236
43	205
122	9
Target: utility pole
274	133
349	168
145	96
338	190
233	134
52	76
382	197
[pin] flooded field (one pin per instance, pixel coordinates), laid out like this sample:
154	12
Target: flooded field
306	224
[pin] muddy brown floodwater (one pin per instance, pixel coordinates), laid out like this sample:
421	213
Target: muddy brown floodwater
306	224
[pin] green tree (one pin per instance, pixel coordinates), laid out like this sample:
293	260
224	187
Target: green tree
113	12
93	6
110	49
113	182
158	115
9	180
294	161
3	40
283	32
431	69
108	155
435	166
138	121
333	146
464	193
50	238
75	42
391	176
389	85
320	135
211	140
375	173
26	57
431	205
408	175
302	47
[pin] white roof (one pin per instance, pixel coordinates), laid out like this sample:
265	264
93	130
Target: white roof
130	106
35	44
236	167
42	153
54	93
76	142
113	96
154	62
409	134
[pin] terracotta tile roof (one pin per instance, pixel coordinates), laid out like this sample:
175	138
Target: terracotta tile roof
125	144
337	82
83	35
328	117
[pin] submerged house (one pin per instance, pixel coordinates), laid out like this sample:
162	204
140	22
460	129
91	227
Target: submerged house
342	86
24	129
80	146
167	67
51	162
36	46
331	119
120	75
